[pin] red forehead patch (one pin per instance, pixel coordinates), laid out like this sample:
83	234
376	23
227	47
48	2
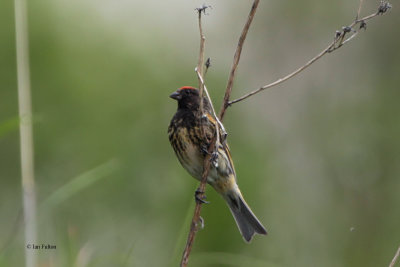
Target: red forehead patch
187	88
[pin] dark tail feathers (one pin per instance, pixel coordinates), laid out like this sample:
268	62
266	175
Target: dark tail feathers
246	221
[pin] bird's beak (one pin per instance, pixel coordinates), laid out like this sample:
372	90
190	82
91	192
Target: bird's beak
175	95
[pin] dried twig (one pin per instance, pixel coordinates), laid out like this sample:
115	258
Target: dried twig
338	41
236	59
201	189
200	69
194	226
219	127
359	9
395	258
200	63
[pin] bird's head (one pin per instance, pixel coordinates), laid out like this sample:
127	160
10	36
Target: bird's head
187	97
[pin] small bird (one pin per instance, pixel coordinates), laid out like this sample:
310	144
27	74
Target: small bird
191	145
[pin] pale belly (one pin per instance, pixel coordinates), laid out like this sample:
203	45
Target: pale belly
196	168
193	159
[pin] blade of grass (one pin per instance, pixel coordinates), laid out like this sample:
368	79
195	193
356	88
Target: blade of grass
66	191
223	258
26	132
79	183
180	241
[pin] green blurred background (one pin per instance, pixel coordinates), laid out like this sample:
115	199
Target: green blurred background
317	158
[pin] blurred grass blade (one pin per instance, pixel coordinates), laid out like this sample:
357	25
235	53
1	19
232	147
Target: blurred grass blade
230	259
79	183
180	242
25	129
84	256
9	125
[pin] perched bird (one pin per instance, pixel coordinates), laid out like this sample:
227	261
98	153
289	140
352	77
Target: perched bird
191	145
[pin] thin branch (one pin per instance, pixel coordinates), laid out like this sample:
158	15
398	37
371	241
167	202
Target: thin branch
395	258
339	40
194	226
200	66
26	139
200	62
236	59
220	130
359	9
200	70
219	126
212	148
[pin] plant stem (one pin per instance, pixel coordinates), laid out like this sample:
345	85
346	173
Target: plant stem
26	139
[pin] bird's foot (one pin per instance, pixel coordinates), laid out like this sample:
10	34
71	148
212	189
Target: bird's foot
200	224
200	197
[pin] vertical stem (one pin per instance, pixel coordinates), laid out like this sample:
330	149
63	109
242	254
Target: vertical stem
200	63
206	163
236	59
396	256
26	140
197	210
359	9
